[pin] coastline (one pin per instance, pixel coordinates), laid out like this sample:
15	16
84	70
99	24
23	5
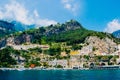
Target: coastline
21	69
38	68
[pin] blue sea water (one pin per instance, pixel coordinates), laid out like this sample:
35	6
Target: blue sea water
60	75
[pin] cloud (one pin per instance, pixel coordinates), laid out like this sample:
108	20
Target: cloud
112	26
36	13
17	11
45	22
71	5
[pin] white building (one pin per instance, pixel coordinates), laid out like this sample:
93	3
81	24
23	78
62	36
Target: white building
58	62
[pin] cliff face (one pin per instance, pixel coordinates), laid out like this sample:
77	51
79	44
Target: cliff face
19	39
15	40
105	45
25	38
59	28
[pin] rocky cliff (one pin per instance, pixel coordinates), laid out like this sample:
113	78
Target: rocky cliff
105	45
59	28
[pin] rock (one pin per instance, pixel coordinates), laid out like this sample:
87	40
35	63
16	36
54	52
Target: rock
102	45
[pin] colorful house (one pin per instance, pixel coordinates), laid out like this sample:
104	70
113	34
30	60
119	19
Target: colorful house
77	52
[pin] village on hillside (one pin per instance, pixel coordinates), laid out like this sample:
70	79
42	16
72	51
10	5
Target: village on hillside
89	56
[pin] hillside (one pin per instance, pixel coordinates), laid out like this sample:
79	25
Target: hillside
72	33
45	33
60	41
22	27
6	28
9	27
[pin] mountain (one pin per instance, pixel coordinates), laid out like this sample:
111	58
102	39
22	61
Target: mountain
45	33
6	28
116	34
21	27
72	33
59	28
61	42
57	33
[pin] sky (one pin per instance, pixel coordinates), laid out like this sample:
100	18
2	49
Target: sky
98	15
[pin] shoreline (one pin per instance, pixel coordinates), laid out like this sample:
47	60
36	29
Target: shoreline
95	68
21	69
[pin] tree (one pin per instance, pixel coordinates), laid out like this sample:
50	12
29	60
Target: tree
45	64
42	30
105	58
36	50
5	58
54	51
76	47
59	66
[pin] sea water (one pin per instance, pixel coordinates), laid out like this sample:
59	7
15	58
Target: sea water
60	75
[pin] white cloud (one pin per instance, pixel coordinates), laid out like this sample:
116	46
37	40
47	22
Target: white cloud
45	22
71	5
36	13
17	11
112	26
68	6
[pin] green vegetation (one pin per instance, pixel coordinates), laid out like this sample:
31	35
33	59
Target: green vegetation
53	51
36	50
61	38
77	36
59	66
70	32
5	57
36	63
